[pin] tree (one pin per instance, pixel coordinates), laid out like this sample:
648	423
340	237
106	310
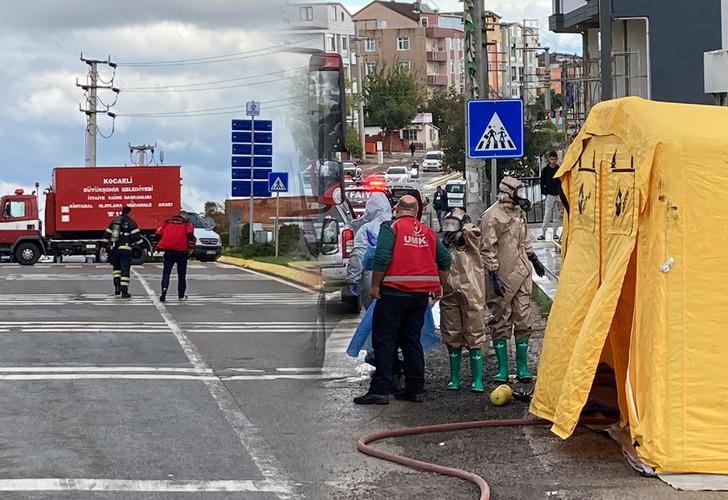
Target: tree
216	212
448	115
393	97
353	142
557	101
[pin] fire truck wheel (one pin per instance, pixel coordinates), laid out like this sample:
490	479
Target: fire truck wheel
27	254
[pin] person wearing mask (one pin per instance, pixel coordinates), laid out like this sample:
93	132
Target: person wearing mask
176	238
410	265
551	189
507	256
439	203
120	238
462	315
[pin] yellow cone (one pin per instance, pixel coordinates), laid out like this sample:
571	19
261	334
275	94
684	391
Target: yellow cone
501	395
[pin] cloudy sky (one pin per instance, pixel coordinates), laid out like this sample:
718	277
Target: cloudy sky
185	108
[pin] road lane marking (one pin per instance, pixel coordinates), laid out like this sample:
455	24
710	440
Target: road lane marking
248	434
244	299
104	376
81	369
277	279
176	486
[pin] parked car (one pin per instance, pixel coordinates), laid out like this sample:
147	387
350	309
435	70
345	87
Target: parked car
434	161
351	171
209	244
395	175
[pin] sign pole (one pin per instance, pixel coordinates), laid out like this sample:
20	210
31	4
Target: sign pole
278	195
252	176
493	180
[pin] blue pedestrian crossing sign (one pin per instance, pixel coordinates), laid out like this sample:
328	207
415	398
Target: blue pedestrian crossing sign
278	182
495	128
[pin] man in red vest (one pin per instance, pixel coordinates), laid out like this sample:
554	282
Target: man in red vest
410	265
176	237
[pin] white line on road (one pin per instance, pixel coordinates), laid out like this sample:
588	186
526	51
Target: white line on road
100	369
105	376
179	486
288	376
248	434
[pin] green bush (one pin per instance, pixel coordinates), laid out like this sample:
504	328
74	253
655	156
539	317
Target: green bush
289	239
254	250
353	142
225	238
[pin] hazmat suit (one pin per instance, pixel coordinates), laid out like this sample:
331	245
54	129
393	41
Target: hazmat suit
462	315
506	252
378	209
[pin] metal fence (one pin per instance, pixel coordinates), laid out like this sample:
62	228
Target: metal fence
533	192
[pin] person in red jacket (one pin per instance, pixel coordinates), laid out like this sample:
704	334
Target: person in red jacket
176	237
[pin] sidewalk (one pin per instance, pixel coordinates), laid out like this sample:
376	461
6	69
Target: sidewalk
548	254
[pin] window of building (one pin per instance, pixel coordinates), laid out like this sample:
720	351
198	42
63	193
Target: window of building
345	42
449	44
333	13
342	17
514	75
370	68
404	65
330	43
423	22
347	73
452	66
403	43
513	51
370	45
461	44
381	23
306	13
409	134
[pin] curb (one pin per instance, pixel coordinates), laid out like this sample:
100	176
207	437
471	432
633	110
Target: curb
309	279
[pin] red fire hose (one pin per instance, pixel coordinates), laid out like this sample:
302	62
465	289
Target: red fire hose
363	445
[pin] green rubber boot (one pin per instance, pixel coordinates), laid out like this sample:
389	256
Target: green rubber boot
476	370
501	355
456	357
522	361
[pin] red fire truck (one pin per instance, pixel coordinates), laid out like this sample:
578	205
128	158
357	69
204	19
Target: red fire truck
80	204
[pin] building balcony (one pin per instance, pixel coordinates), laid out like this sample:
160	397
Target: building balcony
574	16
436	56
437	32
438	80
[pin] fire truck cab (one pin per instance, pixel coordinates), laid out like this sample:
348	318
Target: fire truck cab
20	228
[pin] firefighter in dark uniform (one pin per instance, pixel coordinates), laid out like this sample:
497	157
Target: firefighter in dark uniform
121	237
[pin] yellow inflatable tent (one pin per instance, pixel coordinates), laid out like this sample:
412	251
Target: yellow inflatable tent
644	282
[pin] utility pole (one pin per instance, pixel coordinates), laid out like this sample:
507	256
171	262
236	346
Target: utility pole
605	32
140	160
91	88
360	88
547	94
476	88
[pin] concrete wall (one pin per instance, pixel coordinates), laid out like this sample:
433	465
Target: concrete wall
680	32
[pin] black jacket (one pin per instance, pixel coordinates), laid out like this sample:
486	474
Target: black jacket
123	233
439	201
549	185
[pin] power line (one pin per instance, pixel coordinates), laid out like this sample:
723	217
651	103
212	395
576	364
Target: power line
211	82
222	58
203	112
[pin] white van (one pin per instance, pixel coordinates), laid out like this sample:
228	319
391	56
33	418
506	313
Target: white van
209	244
456	193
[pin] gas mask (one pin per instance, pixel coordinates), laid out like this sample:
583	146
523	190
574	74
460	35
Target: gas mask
452	228
516	192
520	198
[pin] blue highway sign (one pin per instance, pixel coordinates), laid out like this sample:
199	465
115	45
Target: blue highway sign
495	128
278	182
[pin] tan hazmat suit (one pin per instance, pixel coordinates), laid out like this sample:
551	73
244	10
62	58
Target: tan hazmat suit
462	316
504	247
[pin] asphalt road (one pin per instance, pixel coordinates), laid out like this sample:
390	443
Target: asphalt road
109	398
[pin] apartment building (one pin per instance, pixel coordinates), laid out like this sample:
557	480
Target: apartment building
414	37
519	45
655	47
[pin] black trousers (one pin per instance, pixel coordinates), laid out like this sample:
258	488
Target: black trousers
397	322
170	259
120	261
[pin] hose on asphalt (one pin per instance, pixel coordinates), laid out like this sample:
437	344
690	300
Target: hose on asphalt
363	445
